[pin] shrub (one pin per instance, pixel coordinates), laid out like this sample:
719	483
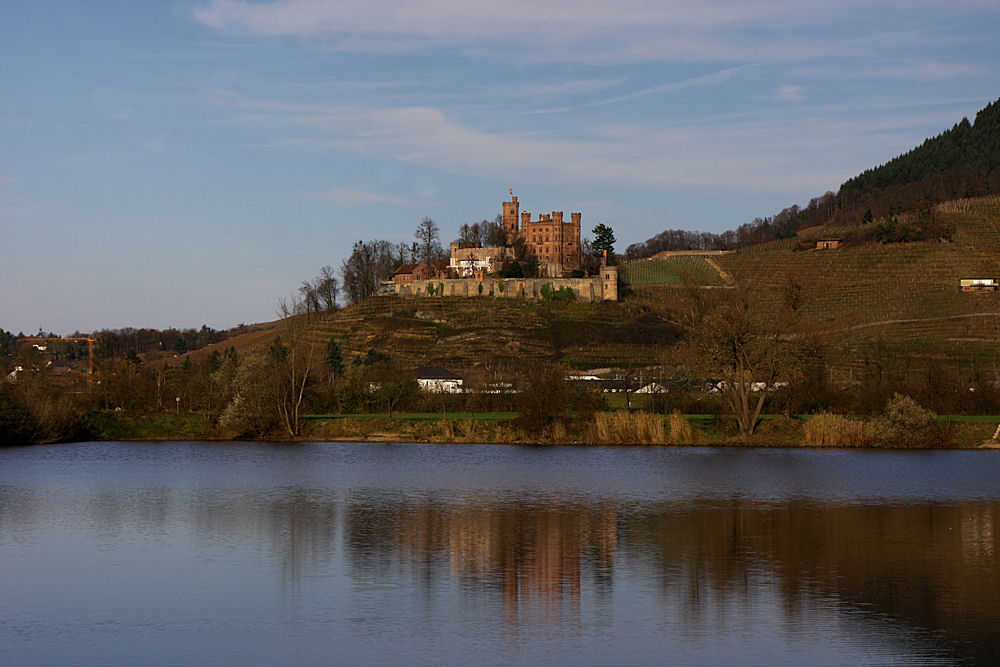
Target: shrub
550	293
545	396
904	423
565	294
32	411
513	270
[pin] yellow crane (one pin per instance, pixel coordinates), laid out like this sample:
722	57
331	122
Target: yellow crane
78	339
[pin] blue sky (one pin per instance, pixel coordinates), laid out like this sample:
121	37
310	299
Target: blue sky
180	163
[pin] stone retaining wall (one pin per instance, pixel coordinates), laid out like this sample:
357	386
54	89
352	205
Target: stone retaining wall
586	289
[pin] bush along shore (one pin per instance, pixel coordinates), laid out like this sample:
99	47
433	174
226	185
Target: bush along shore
903	424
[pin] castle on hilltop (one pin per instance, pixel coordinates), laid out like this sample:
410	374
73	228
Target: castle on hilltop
475	271
553	242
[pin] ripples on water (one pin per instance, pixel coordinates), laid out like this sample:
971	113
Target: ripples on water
358	553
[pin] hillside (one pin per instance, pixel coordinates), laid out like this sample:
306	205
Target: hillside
466	333
900	300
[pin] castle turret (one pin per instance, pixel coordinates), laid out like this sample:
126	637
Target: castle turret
609	282
510	216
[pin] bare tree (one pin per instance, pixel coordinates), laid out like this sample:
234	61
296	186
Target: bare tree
739	343
326	288
320	294
429	240
295	370
478	234
391	381
492	233
370	263
309	297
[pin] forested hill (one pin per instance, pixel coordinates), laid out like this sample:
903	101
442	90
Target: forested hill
961	162
965	146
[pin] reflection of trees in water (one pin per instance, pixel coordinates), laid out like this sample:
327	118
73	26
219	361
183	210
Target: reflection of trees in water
296	525
932	566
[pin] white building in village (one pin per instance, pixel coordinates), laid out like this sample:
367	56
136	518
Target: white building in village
438	380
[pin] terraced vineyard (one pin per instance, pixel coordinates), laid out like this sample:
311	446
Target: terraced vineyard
462	333
906	296
977	222
682	270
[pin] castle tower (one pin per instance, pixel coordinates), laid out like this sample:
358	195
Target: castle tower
510	216
609	282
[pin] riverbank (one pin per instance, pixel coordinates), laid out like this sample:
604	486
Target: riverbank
620	428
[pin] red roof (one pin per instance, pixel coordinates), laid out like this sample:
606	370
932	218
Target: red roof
405	268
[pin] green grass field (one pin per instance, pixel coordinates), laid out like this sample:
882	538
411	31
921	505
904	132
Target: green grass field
424	416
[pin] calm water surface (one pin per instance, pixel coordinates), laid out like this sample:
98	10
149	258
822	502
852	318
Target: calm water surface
251	553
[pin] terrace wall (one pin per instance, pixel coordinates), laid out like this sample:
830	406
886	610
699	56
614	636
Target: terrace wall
586	289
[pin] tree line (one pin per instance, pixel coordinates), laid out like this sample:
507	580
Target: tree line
730	357
126	341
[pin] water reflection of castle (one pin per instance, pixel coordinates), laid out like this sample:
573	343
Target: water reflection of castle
534	555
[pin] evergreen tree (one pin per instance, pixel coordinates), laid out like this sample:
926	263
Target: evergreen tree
180	345
334	359
604	240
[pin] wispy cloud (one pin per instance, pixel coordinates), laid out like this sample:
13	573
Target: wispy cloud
791	94
556	30
707	79
357	195
155	144
753	151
